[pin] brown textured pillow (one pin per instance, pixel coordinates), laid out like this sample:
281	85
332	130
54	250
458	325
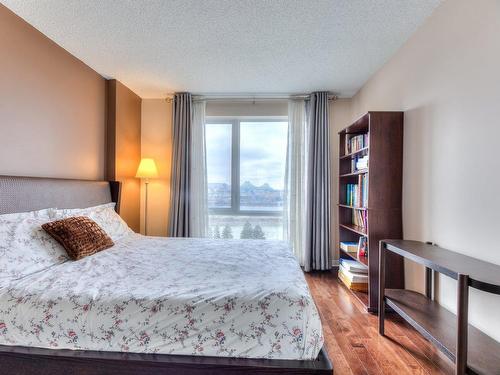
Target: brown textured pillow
79	235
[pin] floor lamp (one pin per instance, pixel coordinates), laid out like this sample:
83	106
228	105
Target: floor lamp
147	169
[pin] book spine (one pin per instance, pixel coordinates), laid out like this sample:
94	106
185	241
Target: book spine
356	143
360	191
365	185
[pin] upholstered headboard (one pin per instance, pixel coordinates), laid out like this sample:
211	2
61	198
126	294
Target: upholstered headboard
22	194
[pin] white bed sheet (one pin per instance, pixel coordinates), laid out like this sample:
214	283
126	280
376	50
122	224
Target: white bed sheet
229	298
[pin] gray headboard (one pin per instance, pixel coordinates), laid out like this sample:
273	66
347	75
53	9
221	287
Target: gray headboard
22	194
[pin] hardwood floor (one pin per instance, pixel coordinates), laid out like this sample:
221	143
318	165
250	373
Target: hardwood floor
353	342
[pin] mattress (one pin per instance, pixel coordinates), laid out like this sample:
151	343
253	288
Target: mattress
228	298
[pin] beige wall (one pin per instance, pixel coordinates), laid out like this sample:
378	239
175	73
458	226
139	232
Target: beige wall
124	148
247	108
156	143
56	115
340	113
447	80
52	107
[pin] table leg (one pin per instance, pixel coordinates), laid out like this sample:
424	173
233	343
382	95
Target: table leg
462	324
381	288
428	282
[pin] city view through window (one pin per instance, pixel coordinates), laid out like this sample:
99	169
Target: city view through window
246	162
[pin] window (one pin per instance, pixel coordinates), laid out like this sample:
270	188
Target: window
246	171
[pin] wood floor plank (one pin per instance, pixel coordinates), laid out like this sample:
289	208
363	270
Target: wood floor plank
335	353
353	342
401	361
339	333
425	361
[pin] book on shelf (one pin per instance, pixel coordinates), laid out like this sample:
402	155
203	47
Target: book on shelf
355	143
362	247
354	277
359	163
354	281
351	194
350	247
360	218
359	287
353	266
364	190
357	194
362	163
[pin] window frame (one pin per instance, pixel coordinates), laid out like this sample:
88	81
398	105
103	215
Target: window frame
235	123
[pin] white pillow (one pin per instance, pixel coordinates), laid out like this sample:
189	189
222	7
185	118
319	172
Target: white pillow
104	215
45	213
25	247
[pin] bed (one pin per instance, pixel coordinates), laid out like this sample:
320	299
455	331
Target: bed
155	305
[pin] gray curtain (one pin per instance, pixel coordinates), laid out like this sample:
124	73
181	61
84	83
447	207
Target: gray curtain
317	252
181	166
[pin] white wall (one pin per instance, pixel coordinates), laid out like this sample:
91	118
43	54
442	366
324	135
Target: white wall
447	80
156	143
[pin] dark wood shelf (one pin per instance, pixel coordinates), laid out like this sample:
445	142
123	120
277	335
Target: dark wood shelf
362	171
482	275
354	228
353	207
439	326
354	256
354	153
361	125
384	145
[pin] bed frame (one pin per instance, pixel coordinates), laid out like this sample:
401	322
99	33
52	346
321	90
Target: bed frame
22	194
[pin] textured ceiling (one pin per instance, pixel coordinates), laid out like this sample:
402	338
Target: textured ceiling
157	47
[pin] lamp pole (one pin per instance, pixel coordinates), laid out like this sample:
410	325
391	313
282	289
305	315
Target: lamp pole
146	208
145	171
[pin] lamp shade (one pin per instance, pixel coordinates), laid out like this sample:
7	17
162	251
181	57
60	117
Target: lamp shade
147	169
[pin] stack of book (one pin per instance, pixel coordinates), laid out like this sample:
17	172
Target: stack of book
350	247
360	163
360	248
357	194
363	182
354	275
351	194
356	143
360	218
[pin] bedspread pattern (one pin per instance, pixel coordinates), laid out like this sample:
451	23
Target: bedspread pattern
232	298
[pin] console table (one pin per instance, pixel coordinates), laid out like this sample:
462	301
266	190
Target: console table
471	350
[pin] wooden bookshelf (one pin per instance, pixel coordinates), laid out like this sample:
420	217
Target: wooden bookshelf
353	207
356	173
361	151
384	177
354	256
354	228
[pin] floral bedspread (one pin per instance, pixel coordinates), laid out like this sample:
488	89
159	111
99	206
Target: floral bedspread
230	298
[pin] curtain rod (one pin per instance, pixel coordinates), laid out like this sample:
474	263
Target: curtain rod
250	97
